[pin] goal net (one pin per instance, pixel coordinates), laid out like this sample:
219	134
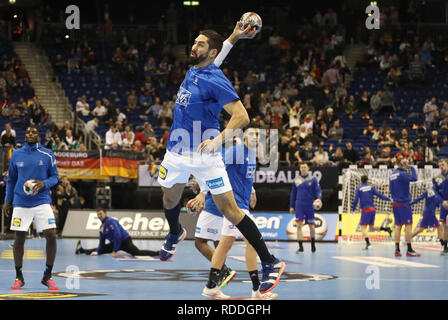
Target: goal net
379	178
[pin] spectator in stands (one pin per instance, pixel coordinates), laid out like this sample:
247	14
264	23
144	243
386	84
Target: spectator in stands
110	111
113	136
57	144
119	116
292	155
367	157
431	113
434	140
302	134
145	99
283	148
60	64
118	57
443	130
69	139
8	140
138	146
329	117
37	116
332	78
294	114
370	130
388	139
322	132
387	101
132	100
307	153
403	138
338	157
350	154
148	131
417	69
444	111
351	107
8	126
385	62
385	157
363	105
99	111
82	107
128	141
73	65
375	102
320	156
92	124
165	114
155	108
336	132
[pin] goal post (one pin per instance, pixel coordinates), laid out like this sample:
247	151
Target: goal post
350	180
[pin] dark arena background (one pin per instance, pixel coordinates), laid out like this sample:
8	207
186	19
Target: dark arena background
346	89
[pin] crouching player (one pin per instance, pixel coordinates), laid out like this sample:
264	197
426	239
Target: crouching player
429	219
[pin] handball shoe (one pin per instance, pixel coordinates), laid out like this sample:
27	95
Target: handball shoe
48	282
412	253
271	275
169	247
18	284
226	277
214	293
257	295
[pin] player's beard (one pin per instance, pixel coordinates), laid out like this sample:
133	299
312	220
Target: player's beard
197	59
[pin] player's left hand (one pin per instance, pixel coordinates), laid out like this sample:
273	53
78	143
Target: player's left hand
248	33
38	185
208	146
317	203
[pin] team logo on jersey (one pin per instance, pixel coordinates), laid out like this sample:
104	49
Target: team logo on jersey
250	174
41	163
215	183
51	221
195	80
183	97
162	172
213	231
20	164
17	222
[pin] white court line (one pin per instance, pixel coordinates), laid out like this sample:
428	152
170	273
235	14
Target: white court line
386	262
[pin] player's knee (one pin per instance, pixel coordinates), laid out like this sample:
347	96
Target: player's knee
50	235
199	243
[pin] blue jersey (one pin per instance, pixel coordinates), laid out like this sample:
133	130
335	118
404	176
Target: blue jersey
432	202
400	185
112	231
305	189
364	194
441	186
31	162
240	166
199	102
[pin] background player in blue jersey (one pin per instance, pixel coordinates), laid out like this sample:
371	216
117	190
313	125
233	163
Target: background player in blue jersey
241	166
306	194
119	239
32	162
364	195
441	189
192	149
399	184
429	219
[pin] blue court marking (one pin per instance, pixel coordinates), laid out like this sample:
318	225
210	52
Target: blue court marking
313	276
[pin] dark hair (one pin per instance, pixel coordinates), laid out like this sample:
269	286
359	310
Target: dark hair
214	39
364	179
101	209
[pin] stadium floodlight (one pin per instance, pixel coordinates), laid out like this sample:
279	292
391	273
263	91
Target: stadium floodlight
12	1
195	3
187	3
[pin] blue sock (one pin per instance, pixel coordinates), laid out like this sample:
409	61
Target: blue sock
172	215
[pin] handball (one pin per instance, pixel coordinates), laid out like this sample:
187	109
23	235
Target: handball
252	19
28	187
317	204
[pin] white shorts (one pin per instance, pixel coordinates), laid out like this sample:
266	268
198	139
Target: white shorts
228	229
42	215
209	171
208	226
